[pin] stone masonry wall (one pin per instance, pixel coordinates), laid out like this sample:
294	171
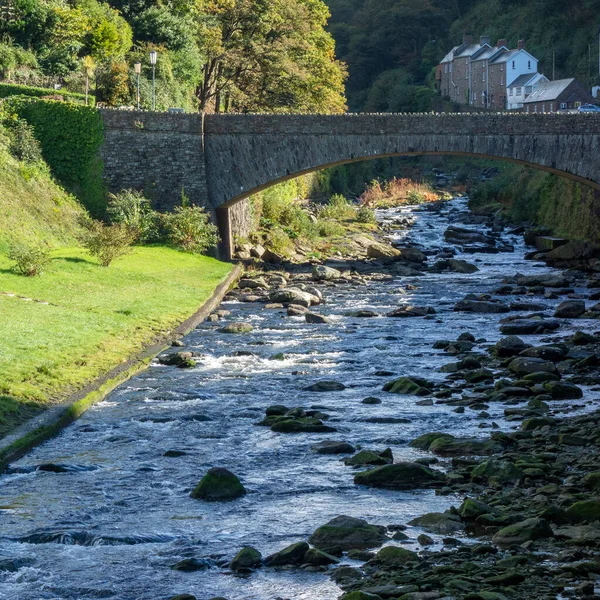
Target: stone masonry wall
158	153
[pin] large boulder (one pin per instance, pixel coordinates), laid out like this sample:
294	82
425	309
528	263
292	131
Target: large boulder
496	471
333	447
323	273
237	327
509	346
413	255
572	253
584	511
570	309
301	425
401	476
293	295
326	386
443	523
423	442
524	365
544	280
347	533
370	458
291	555
524	531
379	250
444	446
529	326
247	558
412	311
394	556
218	484
416	386
481	306
454	265
563	390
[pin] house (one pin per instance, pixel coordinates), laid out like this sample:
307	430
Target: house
480	75
554	96
522	87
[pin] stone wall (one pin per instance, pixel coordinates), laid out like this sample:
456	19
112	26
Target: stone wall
158	153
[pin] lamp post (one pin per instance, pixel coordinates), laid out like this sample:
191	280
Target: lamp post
137	67
153	55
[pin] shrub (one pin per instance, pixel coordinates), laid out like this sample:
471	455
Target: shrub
29	261
132	209
329	229
338	208
279	242
366	215
189	228
23	145
107	242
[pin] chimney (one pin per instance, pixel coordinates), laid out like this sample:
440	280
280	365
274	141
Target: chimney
484	39
467	39
502	42
521	45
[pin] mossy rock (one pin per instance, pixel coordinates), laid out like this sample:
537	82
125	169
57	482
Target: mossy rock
370	457
485	595
465	447
347	533
181	360
537	423
523	531
471	508
247	558
541	377
291	555
302	425
501	471
584	511
318	558
423	442
437	522
219	484
592	481
394	556
359	595
563	390
401	476
237	328
505	579
408	385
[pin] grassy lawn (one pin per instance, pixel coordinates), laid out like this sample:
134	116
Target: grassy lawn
79	319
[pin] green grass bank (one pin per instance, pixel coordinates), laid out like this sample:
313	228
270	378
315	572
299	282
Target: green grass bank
79	319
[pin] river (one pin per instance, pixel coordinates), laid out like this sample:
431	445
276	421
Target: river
111	526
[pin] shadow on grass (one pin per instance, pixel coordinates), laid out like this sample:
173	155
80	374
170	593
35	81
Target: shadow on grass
74	259
15	411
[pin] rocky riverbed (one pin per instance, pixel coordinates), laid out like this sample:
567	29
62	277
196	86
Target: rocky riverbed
419	424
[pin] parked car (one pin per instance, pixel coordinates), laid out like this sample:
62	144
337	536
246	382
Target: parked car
588	108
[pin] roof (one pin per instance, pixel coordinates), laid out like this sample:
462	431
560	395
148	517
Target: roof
550	90
505	56
488	52
523	80
450	56
467	50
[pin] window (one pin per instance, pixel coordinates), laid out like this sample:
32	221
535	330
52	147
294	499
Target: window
445	68
543	108
483	76
563	105
474	96
529	65
513	64
450	67
551	107
577	104
510	91
519	91
528	109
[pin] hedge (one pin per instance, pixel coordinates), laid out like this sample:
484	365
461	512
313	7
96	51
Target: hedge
70	137
12	89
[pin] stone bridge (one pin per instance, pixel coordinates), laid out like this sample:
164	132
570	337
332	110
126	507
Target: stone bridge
219	160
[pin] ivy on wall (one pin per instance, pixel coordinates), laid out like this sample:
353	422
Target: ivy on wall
70	136
10	89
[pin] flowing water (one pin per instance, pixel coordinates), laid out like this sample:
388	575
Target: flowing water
113	524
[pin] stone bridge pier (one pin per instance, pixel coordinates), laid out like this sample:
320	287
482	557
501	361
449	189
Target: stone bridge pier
220	160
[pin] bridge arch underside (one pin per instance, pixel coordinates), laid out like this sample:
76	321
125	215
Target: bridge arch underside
266	162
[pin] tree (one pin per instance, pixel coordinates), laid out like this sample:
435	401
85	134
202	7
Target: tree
88	65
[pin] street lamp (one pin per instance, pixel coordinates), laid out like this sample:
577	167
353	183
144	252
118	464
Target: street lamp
137	67
153	55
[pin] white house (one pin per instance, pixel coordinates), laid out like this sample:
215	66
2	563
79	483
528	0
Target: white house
521	88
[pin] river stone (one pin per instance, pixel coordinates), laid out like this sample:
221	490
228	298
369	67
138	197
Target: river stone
291	555
360	595
237	328
394	556
524	365
454	265
546	352
586	511
401	476
371	400
412	311
293	296
562	390
544	280
500	471
424	441
318	558
315	318
443	446
437	522
480	306
247	558
301	425
572	251
408	385
379	250
518	533
295	310
580	338
325	386
191	564
370	457
536	423
183	597
217	485
181	360
592	481
471	508
323	273
257	283
509	346
347	533
529	326
570	309
333	447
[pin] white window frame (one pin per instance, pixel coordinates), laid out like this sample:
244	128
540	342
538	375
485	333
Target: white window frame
563	105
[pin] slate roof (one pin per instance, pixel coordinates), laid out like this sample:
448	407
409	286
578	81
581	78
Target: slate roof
523	80
450	56
550	90
504	56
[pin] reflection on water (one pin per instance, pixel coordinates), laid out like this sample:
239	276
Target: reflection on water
112	531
